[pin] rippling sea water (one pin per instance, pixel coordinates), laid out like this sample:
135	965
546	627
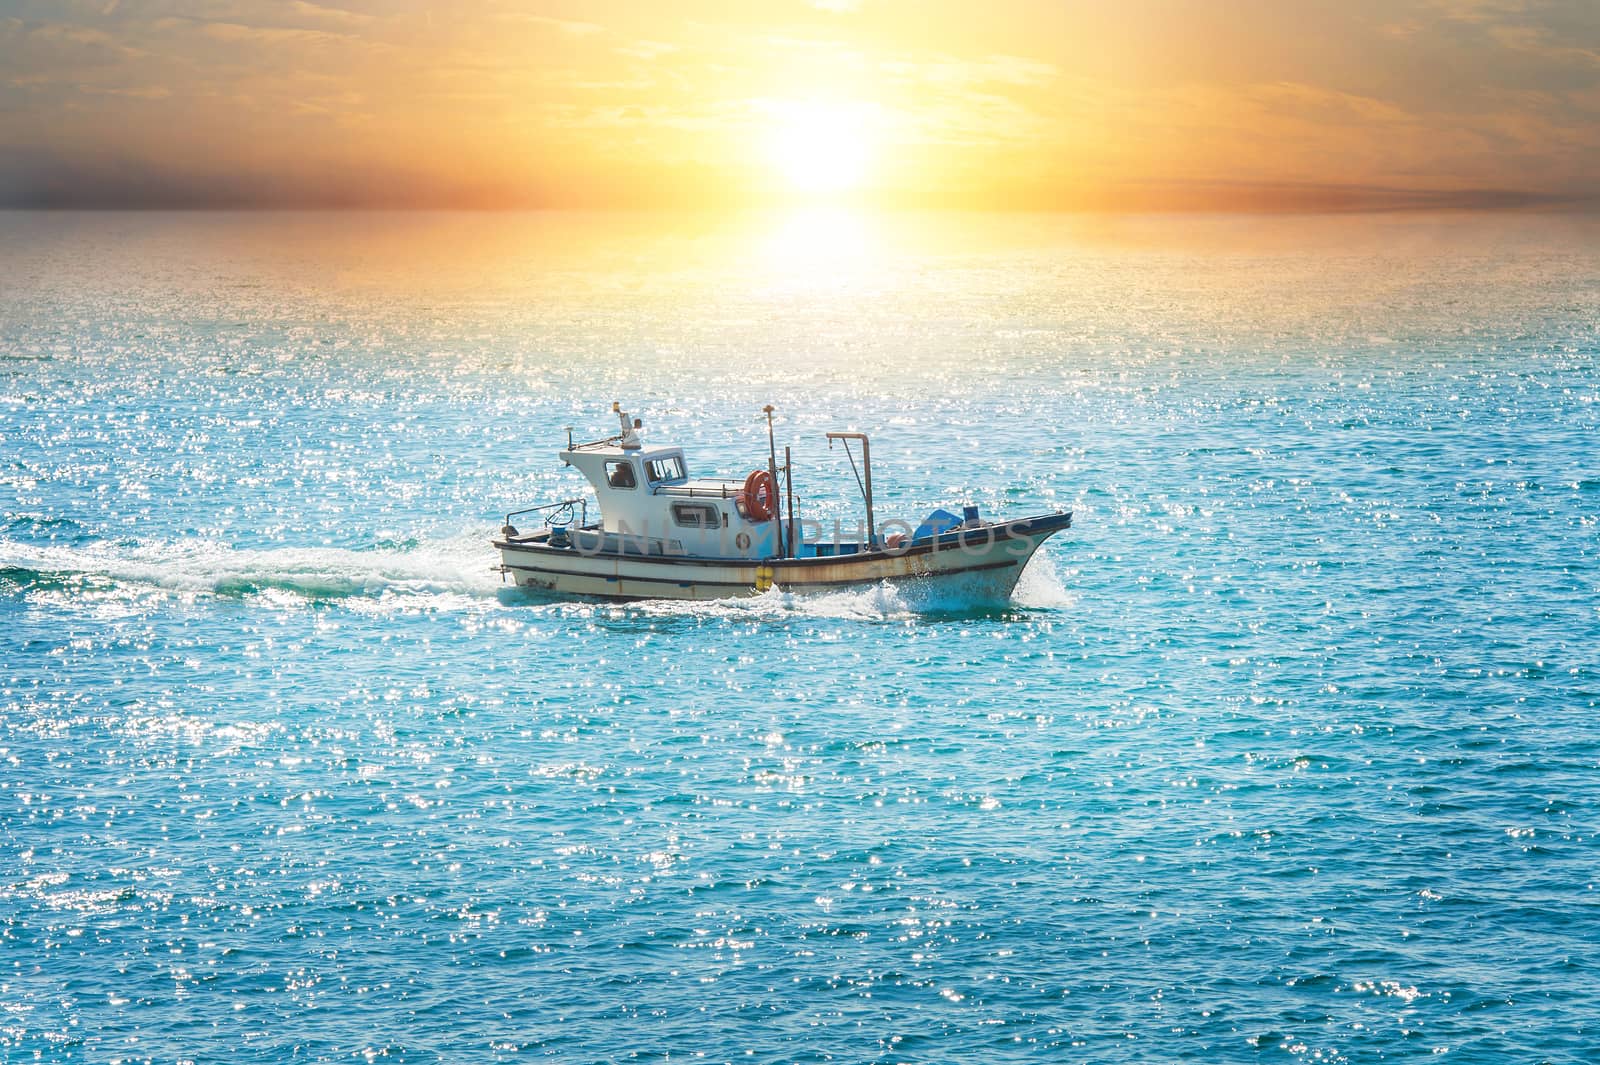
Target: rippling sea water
1288	750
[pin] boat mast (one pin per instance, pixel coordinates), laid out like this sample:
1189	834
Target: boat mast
788	484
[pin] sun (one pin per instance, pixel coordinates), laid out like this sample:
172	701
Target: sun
820	148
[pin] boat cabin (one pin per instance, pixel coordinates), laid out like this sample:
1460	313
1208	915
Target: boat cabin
649	504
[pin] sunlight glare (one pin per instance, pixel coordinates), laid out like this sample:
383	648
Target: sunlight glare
820	148
821	245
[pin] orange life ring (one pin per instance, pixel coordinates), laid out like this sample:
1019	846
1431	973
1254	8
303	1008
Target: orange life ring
760	495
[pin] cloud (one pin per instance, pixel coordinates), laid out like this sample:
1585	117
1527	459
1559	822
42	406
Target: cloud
646	50
236	32
61	33
1403	30
1478	11
571	27
143	92
1538	43
1302	98
329	14
981	70
1531	29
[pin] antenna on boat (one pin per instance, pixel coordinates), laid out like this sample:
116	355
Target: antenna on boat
630	432
772	471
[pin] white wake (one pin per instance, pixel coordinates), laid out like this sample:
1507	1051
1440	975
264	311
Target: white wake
460	565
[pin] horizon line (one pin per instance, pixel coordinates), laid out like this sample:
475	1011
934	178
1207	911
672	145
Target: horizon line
1151	196
1531	205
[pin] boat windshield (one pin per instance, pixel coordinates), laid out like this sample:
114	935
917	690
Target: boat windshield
667	469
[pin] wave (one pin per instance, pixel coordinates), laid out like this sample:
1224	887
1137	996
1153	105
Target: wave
46	524
460	565
1042	586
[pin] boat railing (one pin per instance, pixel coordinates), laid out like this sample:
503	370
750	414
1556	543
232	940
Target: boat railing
558	517
727	491
603	442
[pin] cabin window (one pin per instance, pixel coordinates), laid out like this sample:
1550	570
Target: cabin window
696	515
667	469
620	475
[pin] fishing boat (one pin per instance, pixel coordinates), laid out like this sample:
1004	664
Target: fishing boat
665	533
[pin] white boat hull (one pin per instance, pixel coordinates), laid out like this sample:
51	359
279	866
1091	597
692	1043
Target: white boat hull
987	560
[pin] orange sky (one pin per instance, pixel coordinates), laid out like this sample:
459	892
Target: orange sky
1002	104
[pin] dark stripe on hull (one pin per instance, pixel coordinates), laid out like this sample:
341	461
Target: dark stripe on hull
543	570
777	578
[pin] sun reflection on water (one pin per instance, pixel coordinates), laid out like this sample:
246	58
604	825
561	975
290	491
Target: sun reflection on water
818	243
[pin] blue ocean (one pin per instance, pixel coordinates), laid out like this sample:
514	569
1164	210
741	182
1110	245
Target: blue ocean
1287	751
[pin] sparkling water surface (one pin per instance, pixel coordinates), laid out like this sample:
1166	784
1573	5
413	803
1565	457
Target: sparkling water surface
1288	750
